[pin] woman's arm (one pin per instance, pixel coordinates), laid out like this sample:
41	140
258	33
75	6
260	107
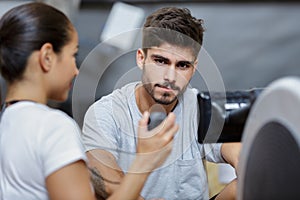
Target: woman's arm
70	182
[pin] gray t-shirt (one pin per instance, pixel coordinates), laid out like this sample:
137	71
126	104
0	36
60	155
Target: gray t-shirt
111	124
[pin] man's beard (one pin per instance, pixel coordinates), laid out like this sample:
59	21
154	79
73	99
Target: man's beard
164	102
164	99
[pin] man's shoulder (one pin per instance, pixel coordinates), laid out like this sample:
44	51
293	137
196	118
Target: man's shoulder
118	97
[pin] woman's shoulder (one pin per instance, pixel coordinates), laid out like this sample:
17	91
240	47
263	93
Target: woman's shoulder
48	115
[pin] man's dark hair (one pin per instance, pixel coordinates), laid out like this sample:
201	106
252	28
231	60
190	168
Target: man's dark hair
175	26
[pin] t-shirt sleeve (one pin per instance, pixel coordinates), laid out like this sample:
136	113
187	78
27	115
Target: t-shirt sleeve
100	129
213	152
60	143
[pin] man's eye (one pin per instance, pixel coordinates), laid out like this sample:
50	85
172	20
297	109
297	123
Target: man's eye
160	61
184	66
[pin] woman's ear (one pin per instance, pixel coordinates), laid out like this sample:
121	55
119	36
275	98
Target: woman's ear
46	57
140	58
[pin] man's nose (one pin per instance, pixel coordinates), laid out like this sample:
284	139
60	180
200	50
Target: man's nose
170	74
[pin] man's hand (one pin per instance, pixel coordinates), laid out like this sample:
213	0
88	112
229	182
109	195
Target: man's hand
155	145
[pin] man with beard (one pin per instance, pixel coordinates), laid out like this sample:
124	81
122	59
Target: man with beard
172	38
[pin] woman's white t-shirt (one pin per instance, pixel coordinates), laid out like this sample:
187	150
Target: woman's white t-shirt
35	141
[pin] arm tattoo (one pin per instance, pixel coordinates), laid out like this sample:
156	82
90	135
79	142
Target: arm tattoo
98	183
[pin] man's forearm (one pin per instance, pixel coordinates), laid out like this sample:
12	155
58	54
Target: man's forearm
98	184
133	181
231	153
105	173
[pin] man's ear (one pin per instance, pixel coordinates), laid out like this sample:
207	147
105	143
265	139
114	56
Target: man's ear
195	66
140	58
46	57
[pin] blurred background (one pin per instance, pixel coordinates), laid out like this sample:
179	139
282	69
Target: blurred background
251	42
